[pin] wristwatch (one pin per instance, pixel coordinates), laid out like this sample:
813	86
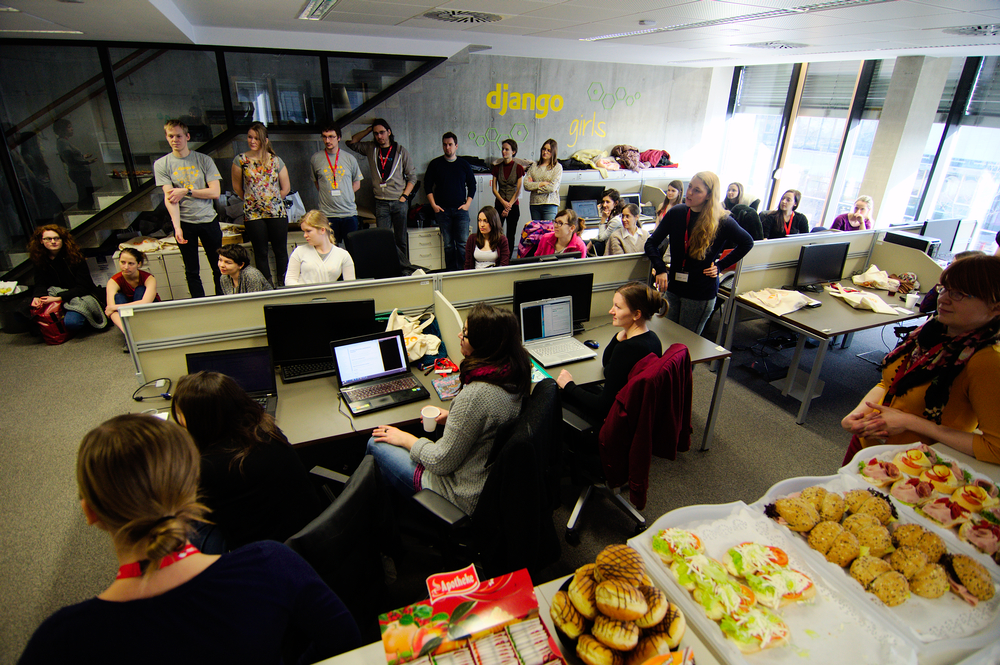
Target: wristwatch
190	192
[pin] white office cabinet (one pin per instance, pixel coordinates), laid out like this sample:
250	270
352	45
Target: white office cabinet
426	248
154	266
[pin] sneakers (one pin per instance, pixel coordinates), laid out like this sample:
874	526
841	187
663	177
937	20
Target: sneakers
125	348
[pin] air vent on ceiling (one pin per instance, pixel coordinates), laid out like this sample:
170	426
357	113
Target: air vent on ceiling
775	46
462	16
990	30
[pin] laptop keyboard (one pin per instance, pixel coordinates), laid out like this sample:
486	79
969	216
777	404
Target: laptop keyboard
301	369
260	400
406	383
550	349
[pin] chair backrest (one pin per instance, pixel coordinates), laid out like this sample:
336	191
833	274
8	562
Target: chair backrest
374	253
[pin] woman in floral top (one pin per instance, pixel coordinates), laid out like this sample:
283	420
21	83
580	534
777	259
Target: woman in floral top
260	178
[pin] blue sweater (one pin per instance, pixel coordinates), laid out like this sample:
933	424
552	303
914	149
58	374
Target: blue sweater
451	183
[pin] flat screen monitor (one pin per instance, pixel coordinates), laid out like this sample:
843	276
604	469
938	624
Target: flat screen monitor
580	287
631	198
584	193
302	332
945	230
821	263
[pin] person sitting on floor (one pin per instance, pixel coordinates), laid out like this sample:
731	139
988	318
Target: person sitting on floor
62	275
238	276
129	285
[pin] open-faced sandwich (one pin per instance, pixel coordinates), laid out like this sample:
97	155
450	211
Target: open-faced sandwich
781	587
748	558
670	544
756	630
912	462
945	512
878	473
912	491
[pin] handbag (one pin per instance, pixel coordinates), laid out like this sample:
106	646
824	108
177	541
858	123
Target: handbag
294	207
49	317
418	343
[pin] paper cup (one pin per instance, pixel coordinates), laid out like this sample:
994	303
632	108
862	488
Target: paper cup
427	416
912	299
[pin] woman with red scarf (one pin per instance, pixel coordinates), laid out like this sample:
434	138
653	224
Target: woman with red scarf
943	381
495	376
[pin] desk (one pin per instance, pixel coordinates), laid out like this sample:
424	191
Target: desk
830	320
307	410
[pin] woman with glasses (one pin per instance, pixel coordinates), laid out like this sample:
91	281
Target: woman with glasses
941	382
565	236
62	275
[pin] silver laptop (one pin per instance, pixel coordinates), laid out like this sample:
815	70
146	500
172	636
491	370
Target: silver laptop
373	372
547	332
585	210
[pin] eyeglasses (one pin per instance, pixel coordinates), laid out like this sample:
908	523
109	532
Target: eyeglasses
558	223
56	239
464	333
955	296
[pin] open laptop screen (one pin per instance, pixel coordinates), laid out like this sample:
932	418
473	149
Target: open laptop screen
249	367
370	357
585	209
544	319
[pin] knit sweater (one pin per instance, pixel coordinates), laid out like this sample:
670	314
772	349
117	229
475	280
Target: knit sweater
548	195
251	281
452	183
455	464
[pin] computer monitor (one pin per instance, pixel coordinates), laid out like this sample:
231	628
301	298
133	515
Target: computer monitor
821	264
945	230
631	198
584	193
579	286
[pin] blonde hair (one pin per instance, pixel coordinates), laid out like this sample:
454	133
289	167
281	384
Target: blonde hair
139	475
707	224
317	220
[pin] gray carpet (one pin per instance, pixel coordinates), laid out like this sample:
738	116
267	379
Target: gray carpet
51	396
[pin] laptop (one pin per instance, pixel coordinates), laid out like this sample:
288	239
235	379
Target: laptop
250	368
373	372
547	332
585	210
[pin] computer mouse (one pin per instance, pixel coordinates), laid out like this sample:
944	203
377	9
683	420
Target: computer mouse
814	304
592	344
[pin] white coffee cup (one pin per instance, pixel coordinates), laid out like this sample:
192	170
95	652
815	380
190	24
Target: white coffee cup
428	415
912	299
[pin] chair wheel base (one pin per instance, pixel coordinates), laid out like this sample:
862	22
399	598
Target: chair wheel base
572	537
639	528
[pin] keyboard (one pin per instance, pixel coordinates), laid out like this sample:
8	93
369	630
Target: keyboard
260	400
399	385
304	369
553	349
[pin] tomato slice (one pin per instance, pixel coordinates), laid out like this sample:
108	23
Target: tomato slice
778	556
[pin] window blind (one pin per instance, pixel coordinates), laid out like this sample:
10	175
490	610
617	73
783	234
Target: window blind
764	88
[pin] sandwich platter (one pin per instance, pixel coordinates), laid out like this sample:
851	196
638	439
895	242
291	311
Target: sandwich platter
830	623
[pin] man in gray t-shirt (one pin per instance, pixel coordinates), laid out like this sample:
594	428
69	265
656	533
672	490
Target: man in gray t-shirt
191	182
337	177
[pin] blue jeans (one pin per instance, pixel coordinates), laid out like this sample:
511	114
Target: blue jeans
544	211
692	314
210	235
120	298
454	225
341	226
391	214
74	321
395	465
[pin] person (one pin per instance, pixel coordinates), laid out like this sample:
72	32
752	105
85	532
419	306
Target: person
734	196
62	275
487	247
238	276
940	383
450	186
129	285
564	237
393	178
337	177
785	221
138	481
495	377
698	231
611	221
320	260
508	178
260	178
252	481
630	238
632	306
542	180
77	164
858	219
191	182
673	195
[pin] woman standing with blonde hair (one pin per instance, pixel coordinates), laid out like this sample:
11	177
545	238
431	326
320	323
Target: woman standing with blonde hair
698	232
260	178
542	180
320	260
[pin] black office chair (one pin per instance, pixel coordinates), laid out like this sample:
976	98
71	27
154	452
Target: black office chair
374	253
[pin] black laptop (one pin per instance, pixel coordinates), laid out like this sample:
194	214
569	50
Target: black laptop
250	368
373	372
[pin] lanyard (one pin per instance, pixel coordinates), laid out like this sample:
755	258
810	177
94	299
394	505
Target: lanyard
333	167
788	225
905	368
383	161
687	227
134	569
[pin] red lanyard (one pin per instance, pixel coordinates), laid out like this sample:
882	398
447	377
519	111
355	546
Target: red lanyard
788	225
905	368
687	227
134	569
383	161
333	167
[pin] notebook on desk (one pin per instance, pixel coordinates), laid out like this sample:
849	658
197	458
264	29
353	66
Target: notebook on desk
373	372
547	332
250	368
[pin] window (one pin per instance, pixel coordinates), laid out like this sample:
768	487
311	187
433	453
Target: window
354	81
275	89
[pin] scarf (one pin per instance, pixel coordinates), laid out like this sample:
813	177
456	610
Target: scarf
495	373
936	359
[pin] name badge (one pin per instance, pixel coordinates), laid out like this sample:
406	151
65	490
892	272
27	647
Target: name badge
681	276
335	192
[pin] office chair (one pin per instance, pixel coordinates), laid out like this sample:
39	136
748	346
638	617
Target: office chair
374	253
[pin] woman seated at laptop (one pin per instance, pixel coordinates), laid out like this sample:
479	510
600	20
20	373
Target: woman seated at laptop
629	238
495	377
251	480
564	237
320	261
611	220
487	247
631	308
138	482
238	276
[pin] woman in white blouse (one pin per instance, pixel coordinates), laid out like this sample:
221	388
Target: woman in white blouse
321	260
629	238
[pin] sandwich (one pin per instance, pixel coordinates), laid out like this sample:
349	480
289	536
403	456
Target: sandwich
912	462
676	543
912	491
945	512
781	587
879	474
756	630
747	558
968	578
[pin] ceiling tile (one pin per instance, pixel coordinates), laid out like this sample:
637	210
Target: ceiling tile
580	14
885	11
628	6
375	8
501	28
365	19
961	5
506	8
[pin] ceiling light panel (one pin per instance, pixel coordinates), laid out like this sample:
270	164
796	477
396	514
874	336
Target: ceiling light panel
316	10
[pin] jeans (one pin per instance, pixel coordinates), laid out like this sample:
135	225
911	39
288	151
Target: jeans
692	314
544	211
121	299
341	226
392	214
395	465
454	225
274	230
510	224
210	235
74	321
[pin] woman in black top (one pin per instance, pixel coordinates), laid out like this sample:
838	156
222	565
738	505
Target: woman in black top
631	309
60	265
698	231
785	221
252	481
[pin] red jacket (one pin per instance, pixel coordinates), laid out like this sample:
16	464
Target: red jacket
651	416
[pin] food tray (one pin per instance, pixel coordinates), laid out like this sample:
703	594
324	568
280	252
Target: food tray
950	536
945	624
831	623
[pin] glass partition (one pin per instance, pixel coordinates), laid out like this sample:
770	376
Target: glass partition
354	81
275	89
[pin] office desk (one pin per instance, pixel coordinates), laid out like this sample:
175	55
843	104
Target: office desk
833	318
307	410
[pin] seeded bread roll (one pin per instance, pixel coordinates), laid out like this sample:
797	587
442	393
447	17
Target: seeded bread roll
844	550
866	568
566	617
582	594
878	508
619	562
657	604
859	522
854	498
814	495
799	513
908	560
620	600
907	535
822	536
832	507
891	588
673	626
619	635
932	545
971	574
931	582
876	539
593	652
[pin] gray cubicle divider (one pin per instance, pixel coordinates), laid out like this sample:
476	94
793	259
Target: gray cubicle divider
896	259
450	323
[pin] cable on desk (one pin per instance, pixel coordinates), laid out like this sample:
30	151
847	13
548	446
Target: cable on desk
340	408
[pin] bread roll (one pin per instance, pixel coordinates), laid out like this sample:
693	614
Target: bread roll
866	568
582	592
859	522
814	495
876	539
972	575
619	635
619	562
566	617
878	508
657	604
673	626
844	550
592	652
931	582
822	536
620	600
854	498
832	507
798	513
907	534
908	560
932	545
891	588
